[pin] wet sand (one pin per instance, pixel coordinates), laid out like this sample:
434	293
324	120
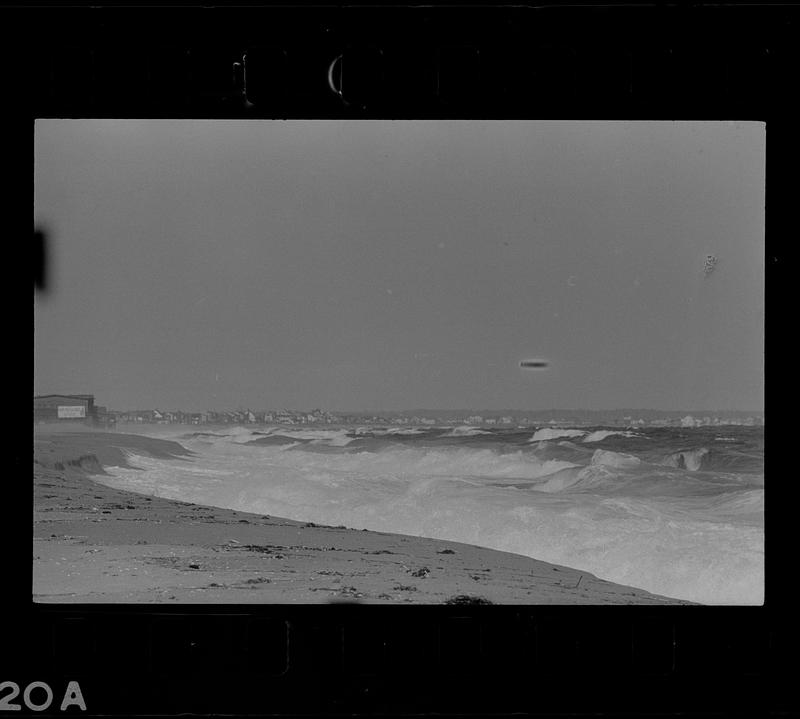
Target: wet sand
96	544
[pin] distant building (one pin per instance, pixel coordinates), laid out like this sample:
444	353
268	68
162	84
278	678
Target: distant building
68	408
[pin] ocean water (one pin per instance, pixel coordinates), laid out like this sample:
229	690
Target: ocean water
678	512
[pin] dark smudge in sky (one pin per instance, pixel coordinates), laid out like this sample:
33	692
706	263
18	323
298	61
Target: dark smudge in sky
534	364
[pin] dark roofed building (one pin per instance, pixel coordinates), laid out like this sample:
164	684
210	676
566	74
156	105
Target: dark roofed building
77	408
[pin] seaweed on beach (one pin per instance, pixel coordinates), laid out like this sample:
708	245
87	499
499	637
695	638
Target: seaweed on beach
467	600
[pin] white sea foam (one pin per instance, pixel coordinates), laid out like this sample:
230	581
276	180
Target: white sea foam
697	547
691	459
325	435
614	459
403	431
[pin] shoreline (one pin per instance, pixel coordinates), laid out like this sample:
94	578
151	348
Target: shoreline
96	544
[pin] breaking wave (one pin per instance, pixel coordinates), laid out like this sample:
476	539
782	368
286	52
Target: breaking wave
464	431
548	433
602	434
691	460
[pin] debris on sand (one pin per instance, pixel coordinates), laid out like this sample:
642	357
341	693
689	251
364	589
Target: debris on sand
467	599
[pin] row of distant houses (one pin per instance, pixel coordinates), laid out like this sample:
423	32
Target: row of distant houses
155	416
81	409
245	416
65	409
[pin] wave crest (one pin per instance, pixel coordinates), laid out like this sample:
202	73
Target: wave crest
464	431
692	460
546	433
601	434
614	459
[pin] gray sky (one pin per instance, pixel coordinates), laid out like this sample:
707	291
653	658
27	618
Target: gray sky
394	265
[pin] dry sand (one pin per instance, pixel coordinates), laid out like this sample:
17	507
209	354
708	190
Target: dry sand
93	543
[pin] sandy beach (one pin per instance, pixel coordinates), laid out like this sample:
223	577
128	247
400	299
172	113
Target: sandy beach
96	544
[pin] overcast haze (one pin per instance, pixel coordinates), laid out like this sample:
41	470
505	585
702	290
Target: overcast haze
394	265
